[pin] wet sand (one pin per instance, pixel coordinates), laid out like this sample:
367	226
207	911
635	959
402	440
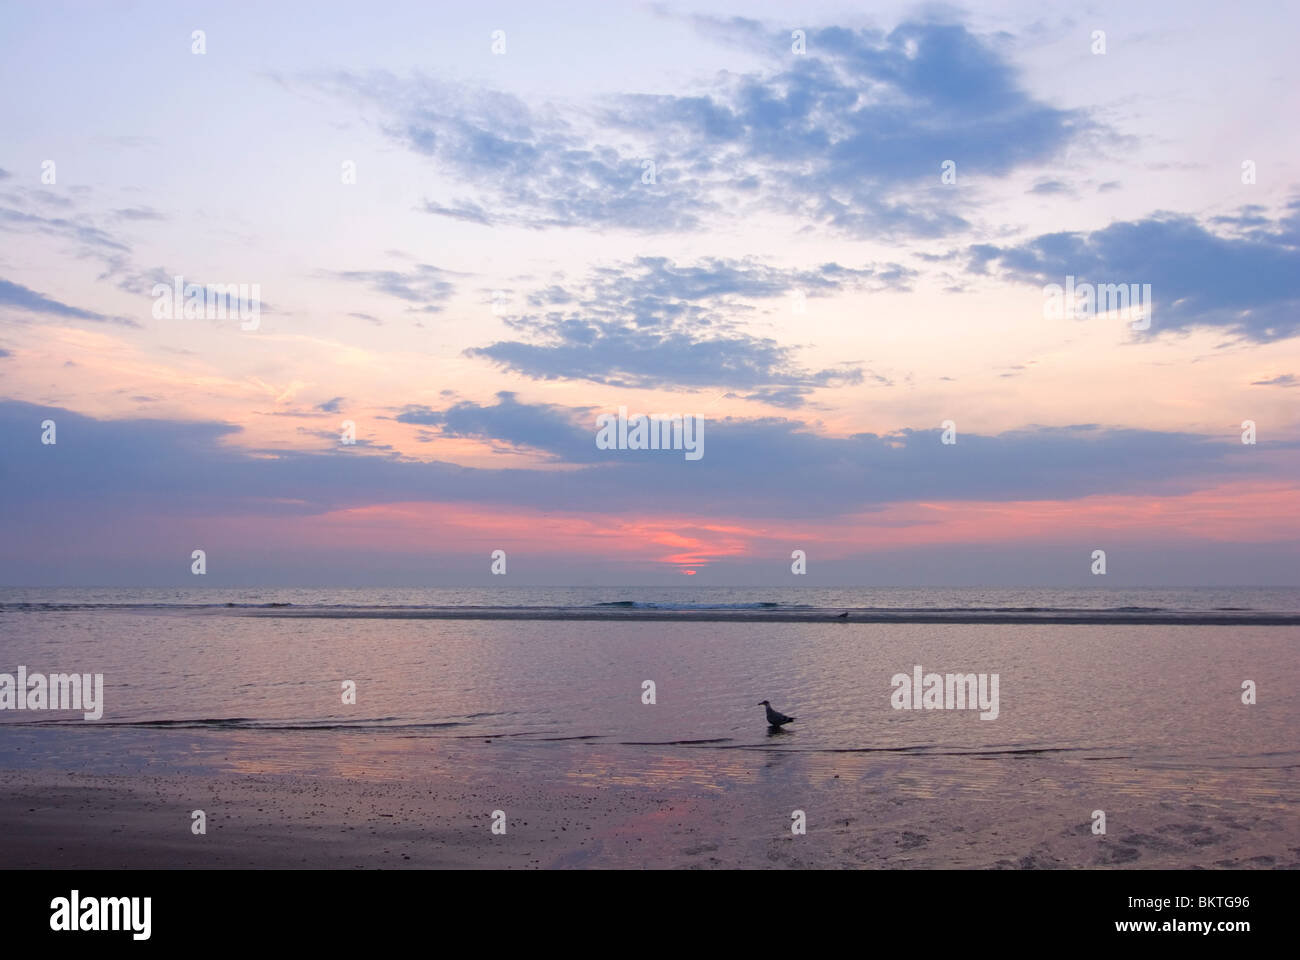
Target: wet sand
683	809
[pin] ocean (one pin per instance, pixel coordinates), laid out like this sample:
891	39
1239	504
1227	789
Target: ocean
551	665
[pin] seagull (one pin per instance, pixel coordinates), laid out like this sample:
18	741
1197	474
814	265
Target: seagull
773	717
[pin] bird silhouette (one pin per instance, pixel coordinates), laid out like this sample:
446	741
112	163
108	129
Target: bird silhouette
775	718
843	616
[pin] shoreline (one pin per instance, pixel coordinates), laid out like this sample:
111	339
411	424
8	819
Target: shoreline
1102	618
583	807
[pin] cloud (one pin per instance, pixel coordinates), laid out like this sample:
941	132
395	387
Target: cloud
529	167
86	233
1282	380
564	433
330	406
1247	281
751	468
655	323
658	279
19	297
465	212
854	132
789	398
1050	188
139	213
229	297
48	198
79	229
623	356
850	135
425	285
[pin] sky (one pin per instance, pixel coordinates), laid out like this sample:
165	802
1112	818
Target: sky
827	232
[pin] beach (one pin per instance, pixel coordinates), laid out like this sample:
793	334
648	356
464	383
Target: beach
594	808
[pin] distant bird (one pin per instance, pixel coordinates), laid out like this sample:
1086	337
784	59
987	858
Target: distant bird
773	717
843	616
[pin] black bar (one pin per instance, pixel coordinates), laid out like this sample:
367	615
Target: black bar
948	910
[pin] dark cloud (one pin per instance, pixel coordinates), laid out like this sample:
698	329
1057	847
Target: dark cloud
756	467
330	406
1247	281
